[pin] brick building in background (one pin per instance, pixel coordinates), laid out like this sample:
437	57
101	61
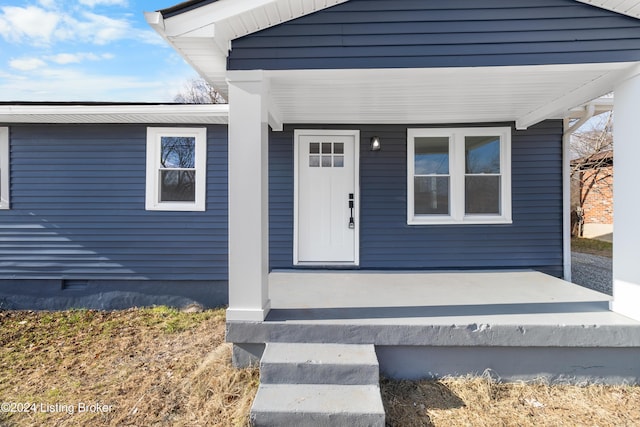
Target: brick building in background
592	195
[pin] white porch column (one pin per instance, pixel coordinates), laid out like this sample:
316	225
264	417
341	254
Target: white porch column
248	197
626	198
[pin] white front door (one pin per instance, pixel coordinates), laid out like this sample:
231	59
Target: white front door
326	197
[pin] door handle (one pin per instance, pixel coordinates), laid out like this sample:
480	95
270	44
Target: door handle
352	223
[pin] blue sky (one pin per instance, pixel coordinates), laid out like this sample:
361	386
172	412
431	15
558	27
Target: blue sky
86	50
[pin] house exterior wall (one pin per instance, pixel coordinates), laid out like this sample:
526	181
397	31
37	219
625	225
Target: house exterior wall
78	214
432	33
533	240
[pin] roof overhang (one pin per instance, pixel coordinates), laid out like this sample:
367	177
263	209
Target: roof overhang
202	36
115	113
524	94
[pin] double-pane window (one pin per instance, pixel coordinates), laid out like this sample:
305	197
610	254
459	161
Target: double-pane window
459	176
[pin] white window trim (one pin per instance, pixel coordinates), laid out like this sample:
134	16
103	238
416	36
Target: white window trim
5	175
152	201
457	176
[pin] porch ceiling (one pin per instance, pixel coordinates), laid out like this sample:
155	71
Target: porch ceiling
523	94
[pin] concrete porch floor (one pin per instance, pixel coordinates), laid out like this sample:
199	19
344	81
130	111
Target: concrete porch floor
525	323
520	297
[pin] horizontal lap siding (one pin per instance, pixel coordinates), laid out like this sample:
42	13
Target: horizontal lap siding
534	240
433	33
78	209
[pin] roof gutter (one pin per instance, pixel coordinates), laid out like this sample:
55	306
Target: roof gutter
136	113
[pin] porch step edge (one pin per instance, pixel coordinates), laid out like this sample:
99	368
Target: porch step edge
317	405
344	364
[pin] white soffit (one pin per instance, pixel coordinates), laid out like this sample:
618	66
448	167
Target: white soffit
625	7
524	94
148	114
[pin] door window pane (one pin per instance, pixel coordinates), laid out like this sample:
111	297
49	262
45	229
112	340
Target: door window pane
431	195
314	161
314	148
326	148
432	156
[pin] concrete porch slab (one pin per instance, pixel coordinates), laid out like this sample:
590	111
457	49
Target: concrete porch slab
521	324
523	308
326	289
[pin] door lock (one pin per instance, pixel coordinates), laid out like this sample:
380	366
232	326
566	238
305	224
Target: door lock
352	223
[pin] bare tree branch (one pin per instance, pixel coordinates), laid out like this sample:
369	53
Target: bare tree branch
592	167
198	91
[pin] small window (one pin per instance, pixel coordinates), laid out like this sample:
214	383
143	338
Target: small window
332	155
4	168
176	169
459	176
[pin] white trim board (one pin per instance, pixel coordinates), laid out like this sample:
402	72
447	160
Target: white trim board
5	174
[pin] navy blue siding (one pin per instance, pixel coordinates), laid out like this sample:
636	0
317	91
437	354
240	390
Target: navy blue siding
78	209
534	240
435	33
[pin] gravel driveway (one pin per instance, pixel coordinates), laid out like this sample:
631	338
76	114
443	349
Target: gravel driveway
591	271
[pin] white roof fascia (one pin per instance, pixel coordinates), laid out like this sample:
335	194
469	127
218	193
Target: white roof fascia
257	14
213	67
76	113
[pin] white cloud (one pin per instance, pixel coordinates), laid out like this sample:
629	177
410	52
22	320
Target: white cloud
104	29
27	64
75	58
38	26
94	3
47	3
34	23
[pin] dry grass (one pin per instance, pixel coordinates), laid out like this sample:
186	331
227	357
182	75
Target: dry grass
155	367
484	402
160	367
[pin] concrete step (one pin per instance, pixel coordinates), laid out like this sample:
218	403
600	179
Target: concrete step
300	405
297	363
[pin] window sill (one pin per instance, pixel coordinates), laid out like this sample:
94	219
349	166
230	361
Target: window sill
178	207
470	220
